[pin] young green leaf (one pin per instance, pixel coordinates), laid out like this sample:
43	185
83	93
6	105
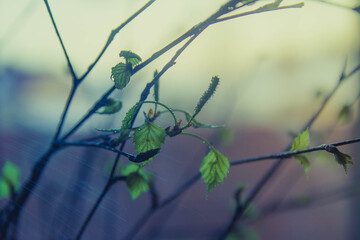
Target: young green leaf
131	57
138	179
5	190
303	161
207	95
301	142
126	123
343	159
112	106
345	113
10	179
11	173
214	168
136	184
121	74
148	137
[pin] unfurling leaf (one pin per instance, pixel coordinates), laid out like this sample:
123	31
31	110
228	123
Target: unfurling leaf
214	168
10	179
126	122
340	157
136	184
343	159
131	57
148	137
301	142
207	95
121	74
112	106
138	179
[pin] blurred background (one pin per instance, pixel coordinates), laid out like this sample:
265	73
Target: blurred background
275	69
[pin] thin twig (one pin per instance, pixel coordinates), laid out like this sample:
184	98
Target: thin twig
113	34
73	74
262	182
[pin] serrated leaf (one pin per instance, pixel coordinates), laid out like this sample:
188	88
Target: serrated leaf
136	184
121	74
301	142
214	168
343	159
126	122
148	137
111	107
131	57
303	161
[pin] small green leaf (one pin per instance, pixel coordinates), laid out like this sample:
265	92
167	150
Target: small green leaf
131	57
121	74
301	142
10	179
11	173
345	113
138	179
214	168
4	189
111	107
303	161
126	123
343	159
148	137
132	167
136	184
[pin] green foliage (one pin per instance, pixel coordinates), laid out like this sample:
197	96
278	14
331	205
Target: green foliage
148	137
121	74
138	180
343	159
112	106
10	179
207	95
345	113
130	58
301	142
214	168
126	122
